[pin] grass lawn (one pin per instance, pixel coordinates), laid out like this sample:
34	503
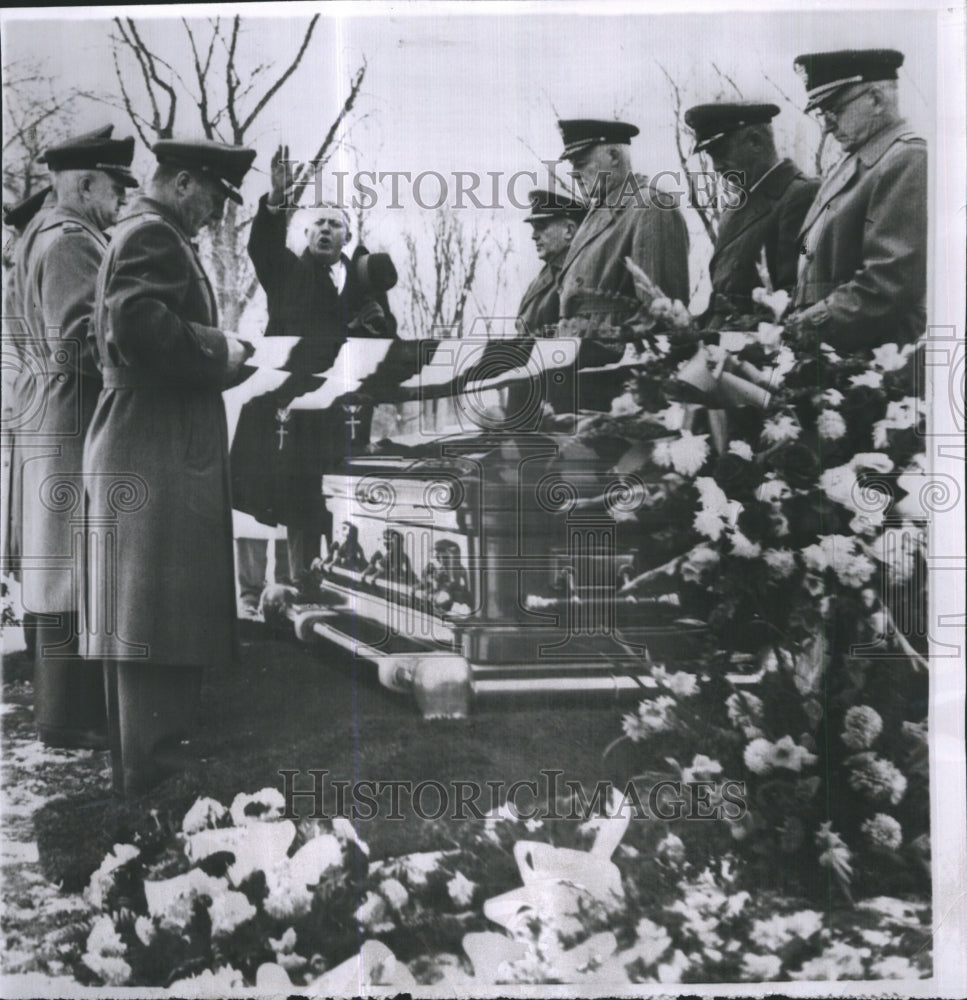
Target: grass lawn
288	706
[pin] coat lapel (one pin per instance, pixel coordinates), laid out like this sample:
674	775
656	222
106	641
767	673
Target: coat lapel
841	176
735	223
596	222
541	284
148	206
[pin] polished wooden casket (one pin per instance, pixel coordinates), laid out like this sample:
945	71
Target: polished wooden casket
479	566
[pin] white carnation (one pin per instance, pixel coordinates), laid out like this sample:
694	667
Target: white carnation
759	968
814	556
780	563
831	425
228	910
890	358
686	455
205	814
872	379
105	951
103	879
743	547
709	524
773	491
780	429
394	892
461	889
680	683
884	831
758	756
263	805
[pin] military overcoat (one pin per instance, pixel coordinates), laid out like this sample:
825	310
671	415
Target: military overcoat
156	461
768	219
645	225
864	245
540	305
60	383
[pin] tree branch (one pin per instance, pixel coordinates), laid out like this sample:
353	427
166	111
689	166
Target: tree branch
136	119
231	81
273	90
200	74
728	79
321	153
168	127
683	156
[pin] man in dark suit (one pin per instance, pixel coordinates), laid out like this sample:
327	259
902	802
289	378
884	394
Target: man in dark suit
863	244
770	199
325	297
161	602
53	290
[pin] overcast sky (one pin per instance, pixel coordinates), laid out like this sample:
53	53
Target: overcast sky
478	88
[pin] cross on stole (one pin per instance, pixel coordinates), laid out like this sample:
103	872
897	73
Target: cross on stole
283	418
351	422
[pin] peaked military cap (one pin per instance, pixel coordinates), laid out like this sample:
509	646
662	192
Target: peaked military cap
226	165
554	205
824	73
17	216
583	133
711	122
94	151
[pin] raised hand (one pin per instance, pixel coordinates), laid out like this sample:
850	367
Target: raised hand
279	175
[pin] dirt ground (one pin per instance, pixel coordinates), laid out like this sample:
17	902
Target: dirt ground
286	706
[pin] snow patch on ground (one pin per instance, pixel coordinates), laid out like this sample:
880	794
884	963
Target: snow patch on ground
36	919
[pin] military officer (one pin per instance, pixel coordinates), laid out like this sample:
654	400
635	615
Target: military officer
54	281
156	463
554	220
628	217
20	392
771	199
863	266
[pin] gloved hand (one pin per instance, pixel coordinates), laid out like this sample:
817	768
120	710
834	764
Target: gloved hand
370	319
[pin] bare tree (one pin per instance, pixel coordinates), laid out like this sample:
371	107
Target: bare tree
227	102
708	212
445	270
36	113
439	274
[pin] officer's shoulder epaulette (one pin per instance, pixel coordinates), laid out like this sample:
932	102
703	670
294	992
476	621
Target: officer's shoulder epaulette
66	226
910	136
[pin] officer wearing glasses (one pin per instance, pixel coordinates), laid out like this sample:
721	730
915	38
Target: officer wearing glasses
863	244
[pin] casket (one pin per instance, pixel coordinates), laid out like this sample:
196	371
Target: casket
480	567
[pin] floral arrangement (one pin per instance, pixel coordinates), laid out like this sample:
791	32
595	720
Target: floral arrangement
805	558
243	897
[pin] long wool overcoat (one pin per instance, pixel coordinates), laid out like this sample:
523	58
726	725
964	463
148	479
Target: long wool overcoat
156	461
55	285
864	245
